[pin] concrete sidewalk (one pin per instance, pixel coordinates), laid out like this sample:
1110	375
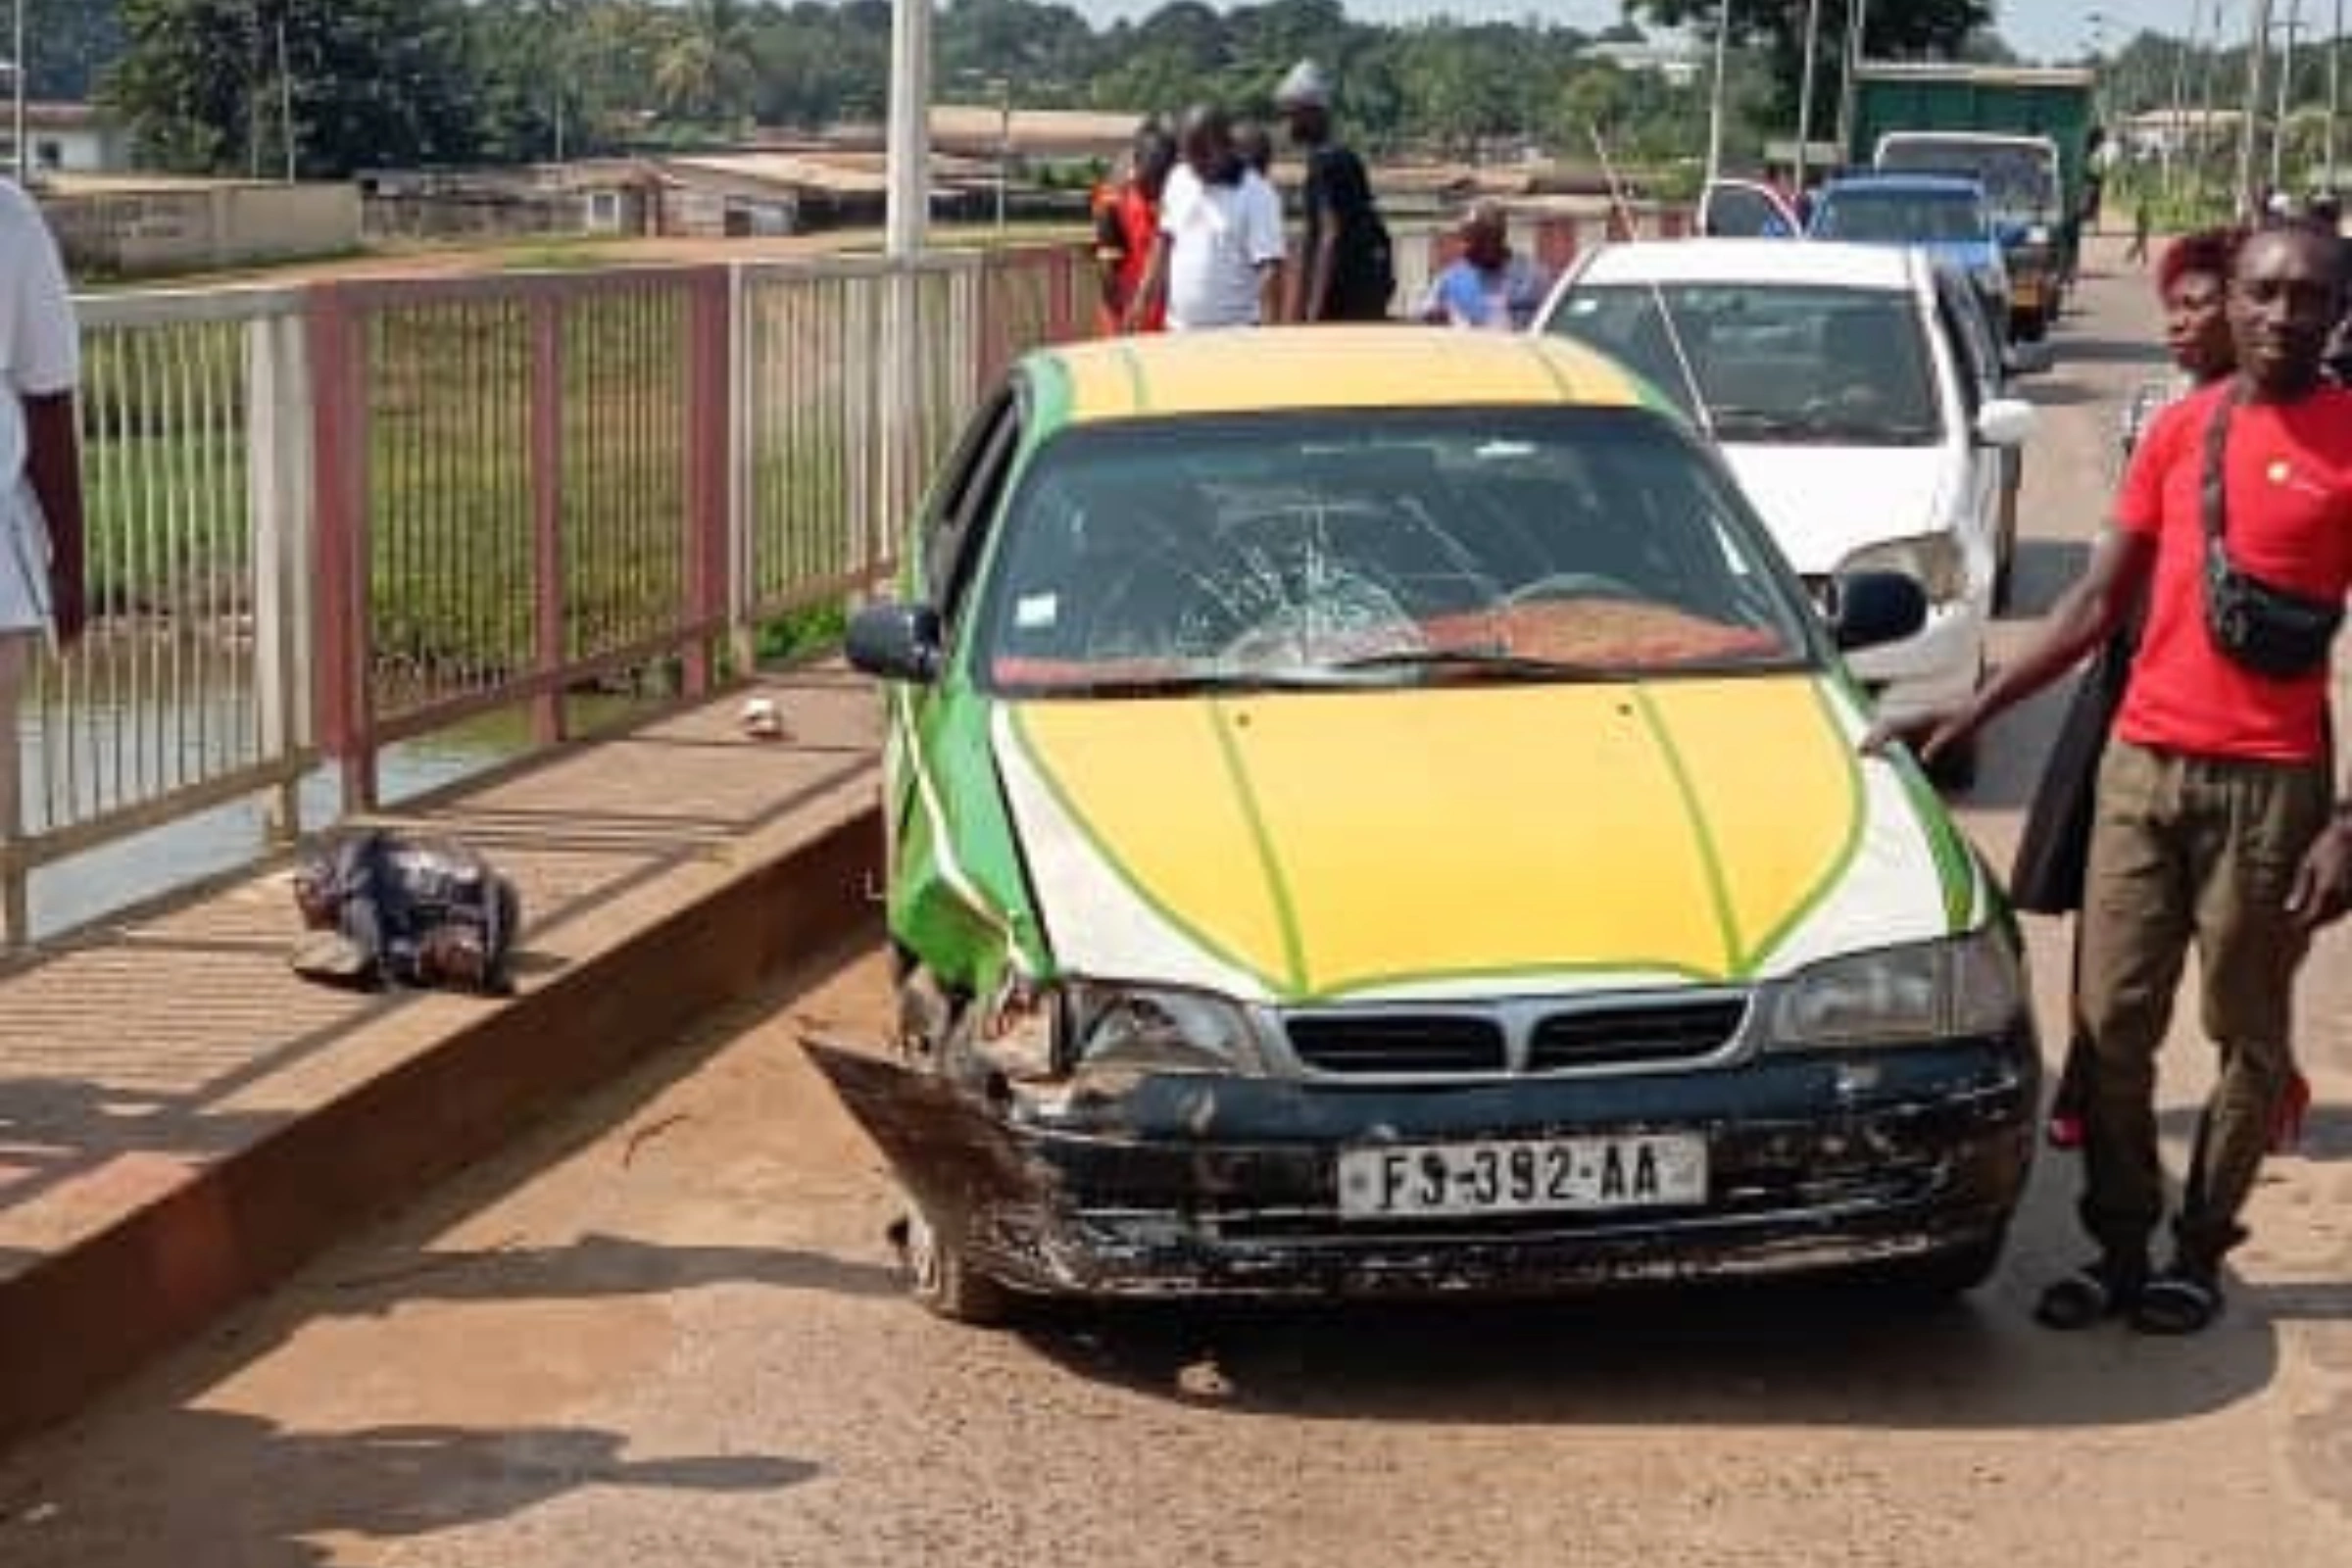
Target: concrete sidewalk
182	1119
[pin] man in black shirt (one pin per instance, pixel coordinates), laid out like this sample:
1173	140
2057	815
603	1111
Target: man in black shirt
1345	272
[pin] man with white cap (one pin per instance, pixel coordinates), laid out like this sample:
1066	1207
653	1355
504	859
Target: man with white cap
1345	270
40	463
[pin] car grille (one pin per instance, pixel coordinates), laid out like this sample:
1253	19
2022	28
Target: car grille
1621	1037
1525	1037
1401	1043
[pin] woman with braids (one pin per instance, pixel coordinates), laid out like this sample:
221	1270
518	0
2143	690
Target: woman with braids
2193	282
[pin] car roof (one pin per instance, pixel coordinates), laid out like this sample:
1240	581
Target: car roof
1930	185
1271	368
1819	264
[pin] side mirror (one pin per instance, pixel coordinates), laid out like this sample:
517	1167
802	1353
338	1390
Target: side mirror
1875	608
2005	422
896	642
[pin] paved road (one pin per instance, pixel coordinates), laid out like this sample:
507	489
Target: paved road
664	1331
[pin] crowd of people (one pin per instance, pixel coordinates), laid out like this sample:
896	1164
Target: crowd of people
1193	235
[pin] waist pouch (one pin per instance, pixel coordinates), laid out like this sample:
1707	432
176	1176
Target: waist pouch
2269	630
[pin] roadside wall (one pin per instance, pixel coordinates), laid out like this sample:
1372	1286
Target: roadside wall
195	228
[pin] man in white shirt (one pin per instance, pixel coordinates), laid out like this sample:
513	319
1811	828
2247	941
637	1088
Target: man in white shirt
1221	249
40	463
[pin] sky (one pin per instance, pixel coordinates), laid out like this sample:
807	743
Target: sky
2036	28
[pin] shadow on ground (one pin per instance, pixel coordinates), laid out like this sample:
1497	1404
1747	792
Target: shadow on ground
214	1487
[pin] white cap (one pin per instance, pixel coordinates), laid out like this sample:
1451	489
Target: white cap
1305	87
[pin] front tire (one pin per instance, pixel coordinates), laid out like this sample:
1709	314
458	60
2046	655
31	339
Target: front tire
942	1280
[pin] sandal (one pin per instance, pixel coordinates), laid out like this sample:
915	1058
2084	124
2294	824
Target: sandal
2177	1302
2090	1294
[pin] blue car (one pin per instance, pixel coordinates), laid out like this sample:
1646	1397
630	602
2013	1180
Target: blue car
1943	214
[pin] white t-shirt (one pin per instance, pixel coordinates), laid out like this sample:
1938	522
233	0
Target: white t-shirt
40	357
1223	234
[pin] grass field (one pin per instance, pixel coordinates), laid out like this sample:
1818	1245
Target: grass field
454	558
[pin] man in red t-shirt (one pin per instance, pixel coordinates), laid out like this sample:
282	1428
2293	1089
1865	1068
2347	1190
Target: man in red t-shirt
1127	228
2215	819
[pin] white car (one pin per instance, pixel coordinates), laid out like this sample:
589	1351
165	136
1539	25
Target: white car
1841	385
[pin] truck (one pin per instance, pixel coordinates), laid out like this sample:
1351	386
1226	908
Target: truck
2025	133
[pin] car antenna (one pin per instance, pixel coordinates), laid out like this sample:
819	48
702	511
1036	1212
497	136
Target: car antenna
1657	295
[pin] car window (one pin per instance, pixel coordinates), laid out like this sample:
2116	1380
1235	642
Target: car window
1735	210
1898	217
966	499
1371	548
1774	363
1962	324
2017	177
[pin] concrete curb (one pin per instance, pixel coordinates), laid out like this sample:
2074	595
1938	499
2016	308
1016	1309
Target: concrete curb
79	1321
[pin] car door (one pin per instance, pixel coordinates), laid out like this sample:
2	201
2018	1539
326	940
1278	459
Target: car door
1977	378
1743	209
952	536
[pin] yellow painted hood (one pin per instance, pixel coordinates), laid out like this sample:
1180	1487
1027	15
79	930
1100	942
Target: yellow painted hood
1293	845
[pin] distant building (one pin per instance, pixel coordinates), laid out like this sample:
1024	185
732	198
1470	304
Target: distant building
68	139
1677	61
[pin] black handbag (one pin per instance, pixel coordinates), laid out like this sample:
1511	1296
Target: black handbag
2269	630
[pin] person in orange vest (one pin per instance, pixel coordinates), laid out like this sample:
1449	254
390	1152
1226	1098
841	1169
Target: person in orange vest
1127	228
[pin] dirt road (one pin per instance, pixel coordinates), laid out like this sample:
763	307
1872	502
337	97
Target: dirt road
664	1331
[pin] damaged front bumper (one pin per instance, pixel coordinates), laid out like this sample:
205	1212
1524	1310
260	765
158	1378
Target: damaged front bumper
1214	1186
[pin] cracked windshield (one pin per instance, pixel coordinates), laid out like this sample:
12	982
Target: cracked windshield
1379	549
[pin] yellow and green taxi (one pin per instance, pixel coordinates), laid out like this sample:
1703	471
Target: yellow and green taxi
1369	810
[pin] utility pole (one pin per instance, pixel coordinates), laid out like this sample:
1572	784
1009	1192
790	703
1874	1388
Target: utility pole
285	97
2258	43
1849	96
1723	42
22	116
2173	132
1804	101
2336	88
1003	144
2286	82
2208	80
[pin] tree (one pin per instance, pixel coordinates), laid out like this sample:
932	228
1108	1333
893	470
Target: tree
372	83
68	43
705	74
1901	29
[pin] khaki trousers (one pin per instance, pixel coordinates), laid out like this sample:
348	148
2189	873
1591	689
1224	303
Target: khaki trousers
2189	851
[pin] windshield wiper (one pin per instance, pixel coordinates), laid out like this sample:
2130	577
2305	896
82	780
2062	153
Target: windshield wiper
1479	661
1206	682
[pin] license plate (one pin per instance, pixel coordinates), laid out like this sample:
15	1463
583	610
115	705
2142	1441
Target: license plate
1523	1176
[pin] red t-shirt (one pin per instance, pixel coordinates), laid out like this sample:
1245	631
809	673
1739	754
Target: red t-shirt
1126	230
2290	487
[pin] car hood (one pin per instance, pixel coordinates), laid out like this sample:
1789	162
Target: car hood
1823	503
1452	841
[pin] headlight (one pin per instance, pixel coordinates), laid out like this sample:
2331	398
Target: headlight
1935	559
1148	1029
2038	234
1960	988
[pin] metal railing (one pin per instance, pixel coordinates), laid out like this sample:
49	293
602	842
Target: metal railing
189	691
330	519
